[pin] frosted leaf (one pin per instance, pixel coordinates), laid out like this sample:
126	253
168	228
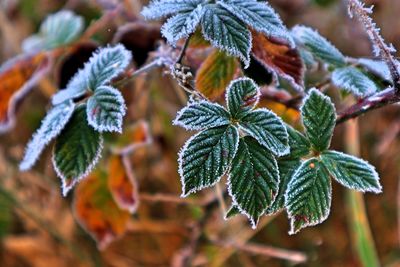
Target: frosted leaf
75	88
106	109
182	25
242	96
260	17
57	29
206	157
319	119
106	64
318	46
352	172
51	126
224	31
376	67
307	58
287	168
232	212
163	8
353	81
77	150
268	129
202	115
298	143
253	179
308	195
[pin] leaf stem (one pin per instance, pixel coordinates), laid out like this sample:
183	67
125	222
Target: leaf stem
183	50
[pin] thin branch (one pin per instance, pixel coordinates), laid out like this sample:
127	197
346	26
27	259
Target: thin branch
183	51
381	99
381	49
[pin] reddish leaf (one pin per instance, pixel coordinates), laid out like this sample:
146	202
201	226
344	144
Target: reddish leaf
135	136
97	212
215	74
122	184
17	78
278	57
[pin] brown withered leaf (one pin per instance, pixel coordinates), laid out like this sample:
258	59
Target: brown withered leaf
215	74
17	77
122	184
97	212
279	58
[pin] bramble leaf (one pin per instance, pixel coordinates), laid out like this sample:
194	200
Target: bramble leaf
182	25
106	64
51	126
56	30
242	96
97	212
122	185
202	115
377	67
268	129
352	172
318	46
206	157
279	58
75	88
162	8
77	150
253	180
215	74
287	168
260	17
232	212
319	119
308	195
224	31
299	144
353	81
106	109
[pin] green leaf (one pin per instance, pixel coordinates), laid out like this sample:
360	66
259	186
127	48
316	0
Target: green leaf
352	172
106	64
202	115
6	216
77	150
163	8
268	129
308	195
318	46
51	126
206	157
319	119
215	74
106	109
253	180
232	212
242	96
287	168
298	143
353	81
226	32
57	30
260	17
182	25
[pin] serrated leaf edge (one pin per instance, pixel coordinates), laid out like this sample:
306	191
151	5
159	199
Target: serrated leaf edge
243	79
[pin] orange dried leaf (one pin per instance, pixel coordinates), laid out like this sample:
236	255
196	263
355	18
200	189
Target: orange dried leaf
280	58
215	74
122	184
97	212
135	136
17	78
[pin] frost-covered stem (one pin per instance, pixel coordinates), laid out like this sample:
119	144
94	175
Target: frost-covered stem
381	49
381	99
183	50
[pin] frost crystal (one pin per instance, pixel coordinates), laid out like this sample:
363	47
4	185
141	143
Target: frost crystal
163	8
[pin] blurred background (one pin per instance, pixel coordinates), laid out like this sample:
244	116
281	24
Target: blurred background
37	225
